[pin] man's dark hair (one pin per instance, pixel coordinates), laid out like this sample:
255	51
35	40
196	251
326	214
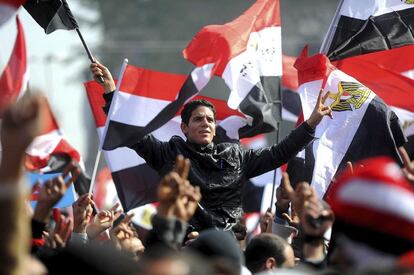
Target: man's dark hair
262	247
192	105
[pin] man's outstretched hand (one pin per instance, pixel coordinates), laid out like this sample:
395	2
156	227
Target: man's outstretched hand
319	111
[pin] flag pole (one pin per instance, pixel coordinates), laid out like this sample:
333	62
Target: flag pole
275	171
98	155
88	52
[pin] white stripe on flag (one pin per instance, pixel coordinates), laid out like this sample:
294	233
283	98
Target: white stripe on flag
364	9
335	135
42	146
263	57
136	110
380	196
201	75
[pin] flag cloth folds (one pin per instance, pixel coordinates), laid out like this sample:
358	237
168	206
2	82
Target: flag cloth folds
8	8
51	15
362	126
145	95
374	43
247	54
13	80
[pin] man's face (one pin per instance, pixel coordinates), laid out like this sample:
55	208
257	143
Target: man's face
201	127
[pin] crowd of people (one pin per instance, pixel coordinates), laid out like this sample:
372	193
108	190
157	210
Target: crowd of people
364	224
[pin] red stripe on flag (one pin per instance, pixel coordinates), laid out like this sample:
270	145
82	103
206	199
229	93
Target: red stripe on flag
290	74
151	84
381	73
94	91
12	79
313	68
13	3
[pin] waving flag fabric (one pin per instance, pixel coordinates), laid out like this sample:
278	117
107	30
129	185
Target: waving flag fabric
246	53
51	15
13	79
362	125
373	42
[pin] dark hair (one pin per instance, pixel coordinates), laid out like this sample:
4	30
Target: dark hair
262	247
192	105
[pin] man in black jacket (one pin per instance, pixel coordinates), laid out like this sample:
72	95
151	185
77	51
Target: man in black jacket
218	169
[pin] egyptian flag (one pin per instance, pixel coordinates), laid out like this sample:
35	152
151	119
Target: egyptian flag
51	15
374	43
50	152
142	95
8	8
362	126
247	54
13	79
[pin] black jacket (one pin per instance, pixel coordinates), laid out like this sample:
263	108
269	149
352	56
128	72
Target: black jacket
220	169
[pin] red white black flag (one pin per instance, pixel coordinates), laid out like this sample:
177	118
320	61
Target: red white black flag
247	54
373	42
362	126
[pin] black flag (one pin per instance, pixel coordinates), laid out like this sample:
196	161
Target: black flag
51	15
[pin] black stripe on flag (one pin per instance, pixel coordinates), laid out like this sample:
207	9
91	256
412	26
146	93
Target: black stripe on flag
263	105
355	36
51	15
291	101
136	186
380	130
120	134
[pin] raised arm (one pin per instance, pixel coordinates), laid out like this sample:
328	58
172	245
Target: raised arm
263	160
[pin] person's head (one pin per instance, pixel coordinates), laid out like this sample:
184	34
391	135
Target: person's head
198	121
268	251
220	249
373	206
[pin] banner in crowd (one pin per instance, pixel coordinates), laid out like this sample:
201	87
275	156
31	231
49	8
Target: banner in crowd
362	126
373	42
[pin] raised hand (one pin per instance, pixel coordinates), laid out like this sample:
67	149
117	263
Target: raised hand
315	216
177	197
319	111
126	238
20	125
59	236
103	221
53	190
266	221
98	70
82	213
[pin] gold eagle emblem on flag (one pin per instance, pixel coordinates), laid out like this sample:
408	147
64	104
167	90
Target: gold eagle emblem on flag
350	96
409	1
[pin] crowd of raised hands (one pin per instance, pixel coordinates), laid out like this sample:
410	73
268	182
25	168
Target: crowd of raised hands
34	240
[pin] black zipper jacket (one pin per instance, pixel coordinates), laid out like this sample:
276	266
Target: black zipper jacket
220	169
